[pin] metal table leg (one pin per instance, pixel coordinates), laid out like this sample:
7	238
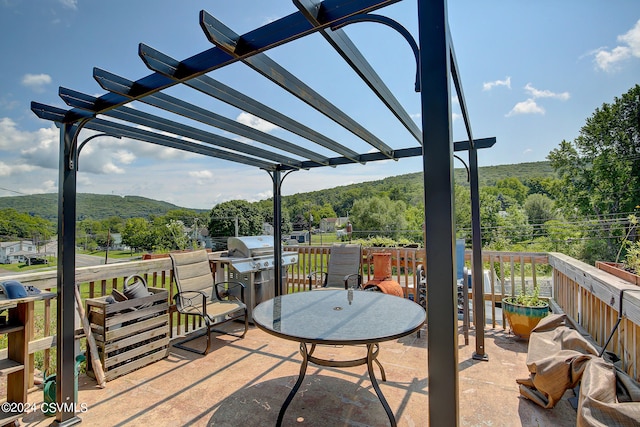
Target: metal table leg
371	354
294	390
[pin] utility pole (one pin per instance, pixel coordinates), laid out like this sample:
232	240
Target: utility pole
106	253
195	233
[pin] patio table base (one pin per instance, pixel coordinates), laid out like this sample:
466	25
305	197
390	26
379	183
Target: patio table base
372	356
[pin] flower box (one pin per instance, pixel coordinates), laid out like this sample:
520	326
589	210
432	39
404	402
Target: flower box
617	270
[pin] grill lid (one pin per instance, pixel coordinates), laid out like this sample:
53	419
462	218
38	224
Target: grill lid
249	246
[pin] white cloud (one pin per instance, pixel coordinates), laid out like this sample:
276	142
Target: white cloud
41	148
8	170
456	116
36	82
526	107
202	177
527	151
201	174
10	136
47	186
632	39
124	156
490	85
71	4
609	60
536	93
109	167
255	122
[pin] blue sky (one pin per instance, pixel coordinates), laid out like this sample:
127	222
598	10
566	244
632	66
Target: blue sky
532	73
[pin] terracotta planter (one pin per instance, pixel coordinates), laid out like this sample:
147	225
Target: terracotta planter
617	270
522	319
382	266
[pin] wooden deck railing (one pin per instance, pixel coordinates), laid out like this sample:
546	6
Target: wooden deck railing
588	295
404	262
592	298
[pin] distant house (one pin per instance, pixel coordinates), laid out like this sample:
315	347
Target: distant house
16	252
116	242
328	225
299	236
267	229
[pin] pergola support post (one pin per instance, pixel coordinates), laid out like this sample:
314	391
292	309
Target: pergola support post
435	72
65	340
276	176
476	259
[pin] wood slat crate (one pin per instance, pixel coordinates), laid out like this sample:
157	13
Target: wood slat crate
129	339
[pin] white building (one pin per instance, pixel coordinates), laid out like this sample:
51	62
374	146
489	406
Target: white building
16	252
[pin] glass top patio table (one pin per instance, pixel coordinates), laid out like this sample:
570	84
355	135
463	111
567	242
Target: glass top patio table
339	317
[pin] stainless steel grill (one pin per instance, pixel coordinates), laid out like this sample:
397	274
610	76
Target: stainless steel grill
250	261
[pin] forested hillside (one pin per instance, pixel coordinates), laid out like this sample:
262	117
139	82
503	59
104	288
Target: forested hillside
406	187
94	206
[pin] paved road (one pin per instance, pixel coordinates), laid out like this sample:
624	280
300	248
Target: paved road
81	261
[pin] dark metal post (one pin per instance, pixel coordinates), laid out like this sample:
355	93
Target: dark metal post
437	140
277	230
476	259
65	364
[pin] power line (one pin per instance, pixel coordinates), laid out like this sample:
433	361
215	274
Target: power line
14	191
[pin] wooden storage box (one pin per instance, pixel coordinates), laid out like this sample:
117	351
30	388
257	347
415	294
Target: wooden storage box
129	339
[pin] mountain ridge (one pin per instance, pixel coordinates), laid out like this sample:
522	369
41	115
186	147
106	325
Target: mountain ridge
102	206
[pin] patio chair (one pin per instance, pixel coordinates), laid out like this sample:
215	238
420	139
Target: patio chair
198	295
343	268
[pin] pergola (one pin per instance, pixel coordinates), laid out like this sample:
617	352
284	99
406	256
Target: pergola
436	68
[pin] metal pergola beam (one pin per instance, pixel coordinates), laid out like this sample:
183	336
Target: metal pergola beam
352	56
117	129
141	118
401	153
179	107
168	66
224	38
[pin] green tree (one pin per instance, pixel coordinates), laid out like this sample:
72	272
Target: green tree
539	209
379	215
266	211
540	185
178	235
14	224
490	208
324	211
512	187
563	237
463	211
600	170
138	234
187	216
415	218
222	219
514	226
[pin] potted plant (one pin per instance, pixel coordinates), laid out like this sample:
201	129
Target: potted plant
524	311
628	270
